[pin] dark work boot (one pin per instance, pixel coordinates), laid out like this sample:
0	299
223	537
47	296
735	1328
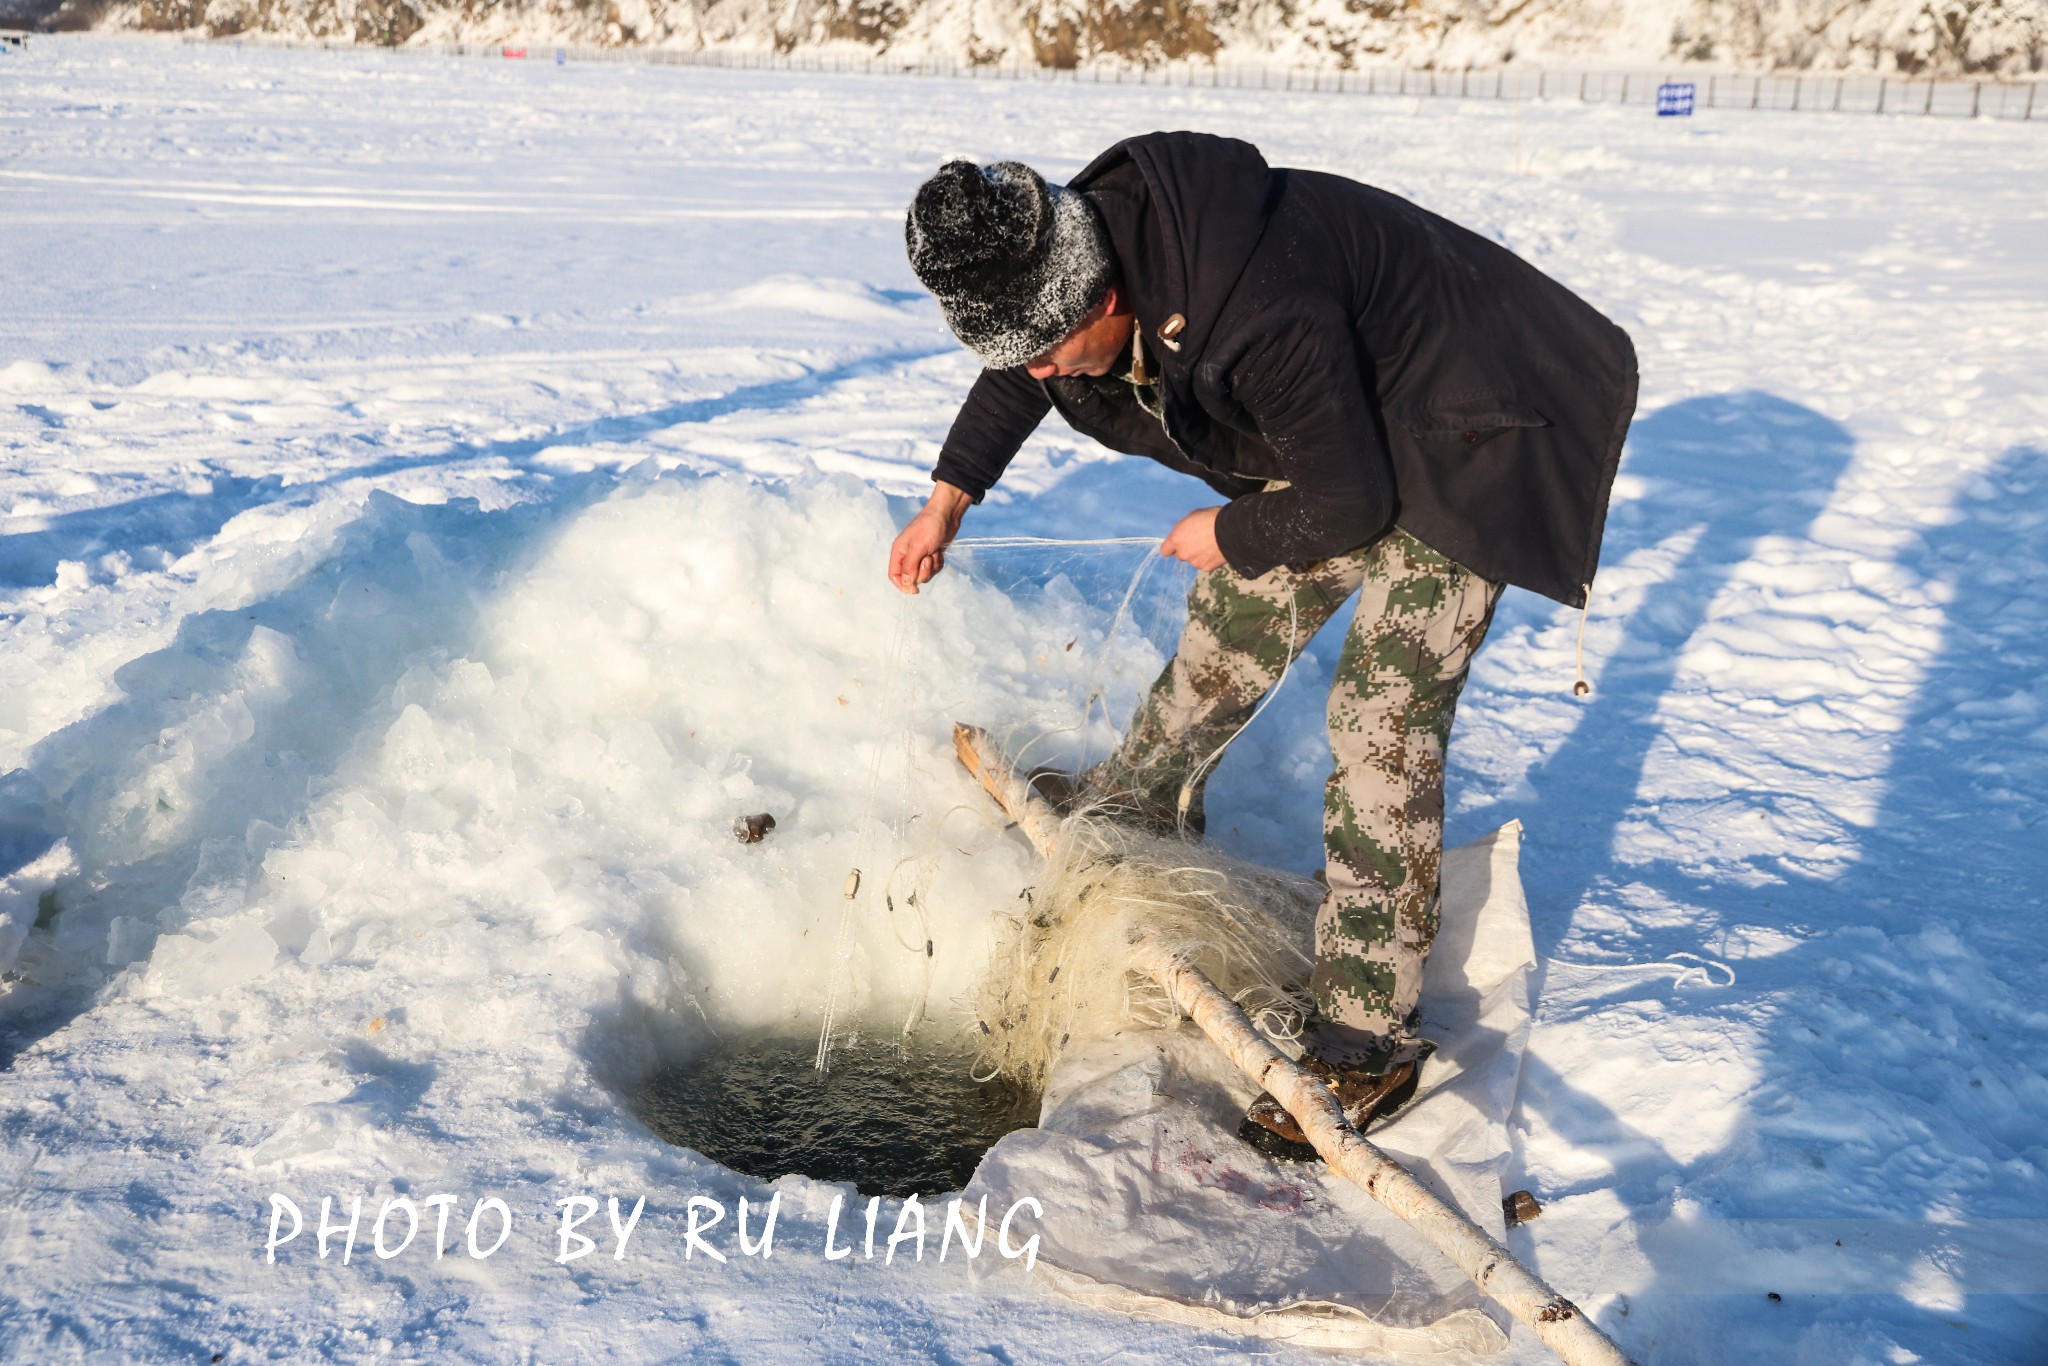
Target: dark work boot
1365	1096
1062	790
1067	793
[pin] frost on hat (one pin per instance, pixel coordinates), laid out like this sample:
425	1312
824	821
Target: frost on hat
1015	263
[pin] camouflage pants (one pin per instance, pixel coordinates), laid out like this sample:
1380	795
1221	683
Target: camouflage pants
1420	618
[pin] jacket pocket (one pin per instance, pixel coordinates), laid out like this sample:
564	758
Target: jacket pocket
1470	424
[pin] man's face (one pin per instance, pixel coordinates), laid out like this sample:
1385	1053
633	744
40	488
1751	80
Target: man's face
1096	344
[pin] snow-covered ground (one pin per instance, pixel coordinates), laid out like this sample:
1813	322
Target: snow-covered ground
436	496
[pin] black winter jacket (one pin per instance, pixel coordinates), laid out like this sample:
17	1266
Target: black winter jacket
1386	363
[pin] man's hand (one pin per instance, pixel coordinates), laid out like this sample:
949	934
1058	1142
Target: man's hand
1194	539
920	548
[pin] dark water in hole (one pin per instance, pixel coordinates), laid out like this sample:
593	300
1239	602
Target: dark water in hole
893	1116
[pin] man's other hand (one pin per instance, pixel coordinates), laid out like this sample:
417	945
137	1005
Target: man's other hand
1194	539
920	548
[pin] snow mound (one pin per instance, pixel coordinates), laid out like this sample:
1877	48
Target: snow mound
818	297
473	778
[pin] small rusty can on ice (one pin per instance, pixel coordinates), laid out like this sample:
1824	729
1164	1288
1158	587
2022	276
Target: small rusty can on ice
753	829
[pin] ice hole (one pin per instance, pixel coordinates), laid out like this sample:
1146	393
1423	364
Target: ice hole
1090	626
895	1115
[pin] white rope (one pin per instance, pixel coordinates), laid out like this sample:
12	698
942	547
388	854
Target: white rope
1096	691
1702	968
1018	542
894	699
1684	969
1187	789
1096	686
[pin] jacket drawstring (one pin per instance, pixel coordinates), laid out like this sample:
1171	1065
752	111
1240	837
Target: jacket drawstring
1582	687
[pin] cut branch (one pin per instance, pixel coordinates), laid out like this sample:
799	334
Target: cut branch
1561	1325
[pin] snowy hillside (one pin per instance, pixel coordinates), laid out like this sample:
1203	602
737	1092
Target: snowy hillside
1943	37
437	496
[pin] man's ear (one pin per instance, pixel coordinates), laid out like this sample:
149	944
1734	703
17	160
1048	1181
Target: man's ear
1112	303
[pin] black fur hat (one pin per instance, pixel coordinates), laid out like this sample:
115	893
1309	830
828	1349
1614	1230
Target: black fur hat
1014	262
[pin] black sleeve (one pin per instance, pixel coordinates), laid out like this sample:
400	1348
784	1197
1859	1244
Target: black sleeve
1301	384
1002	409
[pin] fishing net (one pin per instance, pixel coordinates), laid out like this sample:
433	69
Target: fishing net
1065	973
1063	970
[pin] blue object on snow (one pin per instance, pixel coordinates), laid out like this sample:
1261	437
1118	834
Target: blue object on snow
561	57
1674	99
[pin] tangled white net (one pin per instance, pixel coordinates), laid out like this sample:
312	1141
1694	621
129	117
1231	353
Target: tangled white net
1064	970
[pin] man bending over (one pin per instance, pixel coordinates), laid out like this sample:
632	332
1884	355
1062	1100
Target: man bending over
1392	407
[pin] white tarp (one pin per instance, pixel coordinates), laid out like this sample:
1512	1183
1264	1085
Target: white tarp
1154	1207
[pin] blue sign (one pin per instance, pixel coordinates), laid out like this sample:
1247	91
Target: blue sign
1674	99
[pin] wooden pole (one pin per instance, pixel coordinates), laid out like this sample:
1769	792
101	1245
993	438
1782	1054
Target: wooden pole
1561	1325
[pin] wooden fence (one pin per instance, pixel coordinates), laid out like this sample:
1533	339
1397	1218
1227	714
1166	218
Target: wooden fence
1785	93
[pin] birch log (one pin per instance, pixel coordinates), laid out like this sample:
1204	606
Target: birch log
1561	1325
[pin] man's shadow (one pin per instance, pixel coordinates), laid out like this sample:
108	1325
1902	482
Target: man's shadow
1705	482
1898	1093
1897	985
1934	978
